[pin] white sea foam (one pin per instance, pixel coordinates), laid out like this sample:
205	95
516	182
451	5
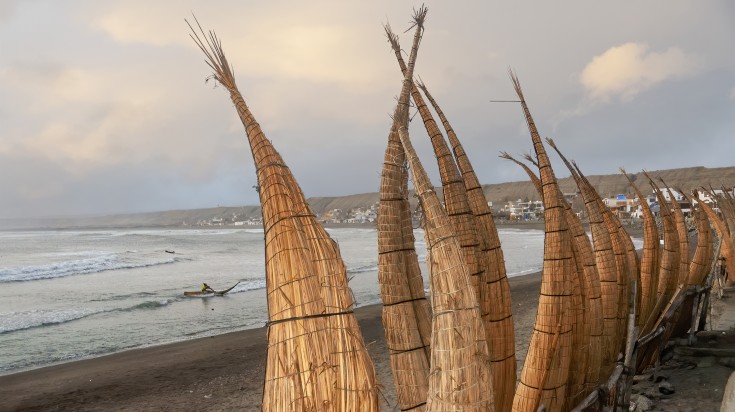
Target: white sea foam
97	262
249	284
13	321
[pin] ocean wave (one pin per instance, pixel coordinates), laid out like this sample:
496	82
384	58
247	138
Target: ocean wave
246	285
524	272
155	233
361	269
111	297
15	321
101	263
151	304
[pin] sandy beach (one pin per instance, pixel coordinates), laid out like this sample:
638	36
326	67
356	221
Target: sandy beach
223	372
218	373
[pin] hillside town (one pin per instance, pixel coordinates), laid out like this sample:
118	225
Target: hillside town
624	206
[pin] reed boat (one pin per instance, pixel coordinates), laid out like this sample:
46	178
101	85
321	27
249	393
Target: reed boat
204	294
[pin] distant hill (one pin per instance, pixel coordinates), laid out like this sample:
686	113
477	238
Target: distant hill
498	194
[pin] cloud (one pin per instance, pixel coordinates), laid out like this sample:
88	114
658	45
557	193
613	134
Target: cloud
304	43
631	68
7	9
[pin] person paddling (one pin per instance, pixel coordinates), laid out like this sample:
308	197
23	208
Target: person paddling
206	288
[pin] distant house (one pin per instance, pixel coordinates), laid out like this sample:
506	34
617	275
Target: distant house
621	205
524	210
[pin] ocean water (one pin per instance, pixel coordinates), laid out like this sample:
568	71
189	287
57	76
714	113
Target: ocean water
67	295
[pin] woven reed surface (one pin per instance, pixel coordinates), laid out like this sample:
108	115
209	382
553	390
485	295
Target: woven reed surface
623	272
314	359
588	346
669	270
409	354
325	254
354	381
465	226
633	266
545	373
298	365
726	249
460	377
728	213
648	273
337	297
496	306
683	234
607	270
590	281
725	203
625	262
704	252
354	364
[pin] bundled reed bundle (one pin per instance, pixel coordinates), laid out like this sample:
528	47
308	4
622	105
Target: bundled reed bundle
683	232
545	373
649	268
726	246
683	316
337	296
626	258
496	305
669	269
704	252
405	308
455	196
592	277
727	208
606	268
406	318
588	344
313	362
460	377
457	206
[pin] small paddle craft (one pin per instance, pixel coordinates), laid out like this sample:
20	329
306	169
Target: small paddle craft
200	293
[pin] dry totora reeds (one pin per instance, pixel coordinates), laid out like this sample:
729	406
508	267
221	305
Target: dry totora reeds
626	259
683	233
648	273
668	274
704	252
463	220
460	377
586	370
545	373
606	267
496	302
726	245
316	358
405	308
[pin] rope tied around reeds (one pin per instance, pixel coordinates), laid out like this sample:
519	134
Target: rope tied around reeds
405	301
321	315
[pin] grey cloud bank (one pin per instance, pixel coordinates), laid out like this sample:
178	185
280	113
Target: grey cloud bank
104	106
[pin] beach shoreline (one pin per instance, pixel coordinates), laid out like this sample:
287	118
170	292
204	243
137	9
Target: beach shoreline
218	372
221	372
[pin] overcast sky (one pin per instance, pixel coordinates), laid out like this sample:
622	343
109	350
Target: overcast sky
104	107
